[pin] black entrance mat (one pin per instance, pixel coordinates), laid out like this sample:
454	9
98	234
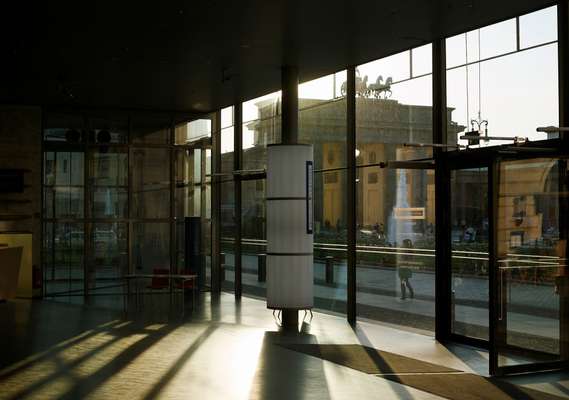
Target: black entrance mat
469	387
421	375
367	359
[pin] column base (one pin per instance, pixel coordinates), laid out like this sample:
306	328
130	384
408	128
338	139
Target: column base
289	319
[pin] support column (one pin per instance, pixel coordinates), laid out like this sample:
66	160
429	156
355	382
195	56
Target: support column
351	200
289	81
563	65
216	204
237	165
289	135
442	196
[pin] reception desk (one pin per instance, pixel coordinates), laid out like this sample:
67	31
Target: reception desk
16	255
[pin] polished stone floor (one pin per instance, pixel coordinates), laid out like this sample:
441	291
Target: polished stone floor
222	350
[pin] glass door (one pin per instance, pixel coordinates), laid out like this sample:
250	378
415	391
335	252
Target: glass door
531	280
469	220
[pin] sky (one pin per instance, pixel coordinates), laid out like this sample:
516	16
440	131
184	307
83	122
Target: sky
515	94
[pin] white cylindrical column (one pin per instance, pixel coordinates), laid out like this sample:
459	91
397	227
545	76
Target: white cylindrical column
289	226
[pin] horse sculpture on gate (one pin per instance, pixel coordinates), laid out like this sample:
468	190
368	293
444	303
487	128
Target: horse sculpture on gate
378	88
364	90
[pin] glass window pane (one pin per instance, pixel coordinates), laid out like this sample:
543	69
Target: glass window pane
538	27
397	67
499	92
227	117
395	246
422	60
63	255
63	184
261	126
455	50
254	243
228	230
330	240
325	88
150	182
322	120
188	132
531	260
188	183
469	259
262	107
109	183
109	258
150	246
404	116
498	39
227	148
472	44
109	202
395	208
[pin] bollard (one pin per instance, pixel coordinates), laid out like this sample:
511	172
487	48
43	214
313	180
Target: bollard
329	270
261	267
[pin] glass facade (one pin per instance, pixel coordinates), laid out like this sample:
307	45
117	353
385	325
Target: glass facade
502	80
395	207
322	123
117	190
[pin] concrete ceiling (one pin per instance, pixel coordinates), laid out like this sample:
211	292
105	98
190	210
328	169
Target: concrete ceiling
198	56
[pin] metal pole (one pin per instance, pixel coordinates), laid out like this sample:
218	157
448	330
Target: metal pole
351	187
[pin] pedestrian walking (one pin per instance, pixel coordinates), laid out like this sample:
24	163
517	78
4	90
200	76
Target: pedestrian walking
405	272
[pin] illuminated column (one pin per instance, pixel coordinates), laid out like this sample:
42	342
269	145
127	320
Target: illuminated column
289	229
